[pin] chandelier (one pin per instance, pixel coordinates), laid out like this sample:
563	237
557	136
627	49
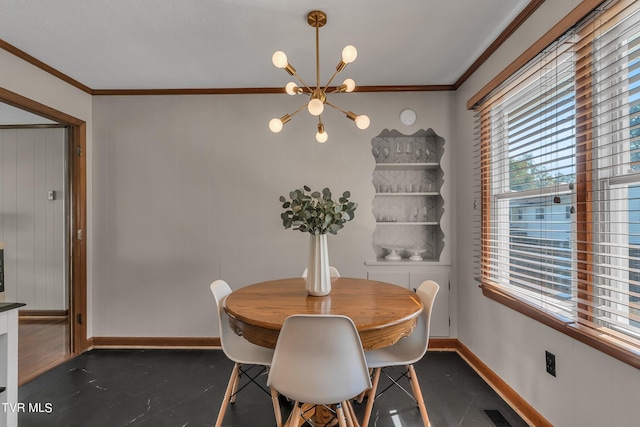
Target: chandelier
317	94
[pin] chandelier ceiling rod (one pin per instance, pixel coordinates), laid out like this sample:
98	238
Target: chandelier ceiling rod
317	95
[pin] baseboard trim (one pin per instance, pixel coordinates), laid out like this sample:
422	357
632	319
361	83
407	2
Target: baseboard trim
155	342
443	344
509	395
43	314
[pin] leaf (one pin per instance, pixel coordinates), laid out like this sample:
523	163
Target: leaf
316	212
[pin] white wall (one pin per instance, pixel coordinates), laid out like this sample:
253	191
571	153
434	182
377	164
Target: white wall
186	191
22	78
32	226
591	389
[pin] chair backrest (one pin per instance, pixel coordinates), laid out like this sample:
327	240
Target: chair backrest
427	292
319	359
234	346
333	272
220	290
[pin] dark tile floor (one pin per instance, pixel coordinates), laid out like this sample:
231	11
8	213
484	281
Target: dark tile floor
180	388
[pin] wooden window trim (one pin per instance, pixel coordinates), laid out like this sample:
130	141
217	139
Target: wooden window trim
613	347
575	16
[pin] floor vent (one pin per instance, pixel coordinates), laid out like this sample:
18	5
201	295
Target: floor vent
497	418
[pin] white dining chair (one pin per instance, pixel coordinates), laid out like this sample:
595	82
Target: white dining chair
333	272
319	360
245	355
404	354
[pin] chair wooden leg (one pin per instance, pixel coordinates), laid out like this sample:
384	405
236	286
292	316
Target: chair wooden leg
417	393
294	418
225	400
351	414
347	414
340	415
276	407
371	397
235	385
360	397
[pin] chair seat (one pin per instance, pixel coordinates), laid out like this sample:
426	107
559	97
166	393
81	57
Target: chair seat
392	356
247	353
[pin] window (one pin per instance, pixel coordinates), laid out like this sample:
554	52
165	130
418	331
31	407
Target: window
560	184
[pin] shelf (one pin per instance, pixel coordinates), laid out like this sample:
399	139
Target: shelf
403	262
407	166
426	193
407	223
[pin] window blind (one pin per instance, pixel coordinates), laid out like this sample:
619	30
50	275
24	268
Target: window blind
559	165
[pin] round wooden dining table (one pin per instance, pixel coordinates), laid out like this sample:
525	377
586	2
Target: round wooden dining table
383	313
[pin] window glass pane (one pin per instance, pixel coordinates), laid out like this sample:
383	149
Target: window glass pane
540	251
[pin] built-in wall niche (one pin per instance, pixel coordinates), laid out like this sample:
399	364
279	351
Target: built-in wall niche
408	205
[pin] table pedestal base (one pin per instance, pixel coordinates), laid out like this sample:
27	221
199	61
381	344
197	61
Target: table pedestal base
319	415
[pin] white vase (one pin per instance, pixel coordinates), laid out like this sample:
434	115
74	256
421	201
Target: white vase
318	275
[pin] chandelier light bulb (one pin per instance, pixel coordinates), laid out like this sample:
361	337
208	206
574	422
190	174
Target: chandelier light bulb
362	122
349	54
350	84
315	107
275	125
279	59
291	88
322	137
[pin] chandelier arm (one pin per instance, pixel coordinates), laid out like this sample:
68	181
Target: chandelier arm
303	83
295	74
298	110
330	80
336	107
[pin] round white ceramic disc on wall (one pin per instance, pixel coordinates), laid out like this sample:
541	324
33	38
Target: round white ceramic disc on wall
408	117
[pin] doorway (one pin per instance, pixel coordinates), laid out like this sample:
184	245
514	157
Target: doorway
72	318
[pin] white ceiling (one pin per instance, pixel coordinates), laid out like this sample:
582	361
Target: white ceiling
162	44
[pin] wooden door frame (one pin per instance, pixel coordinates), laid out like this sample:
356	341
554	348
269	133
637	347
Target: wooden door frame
77	233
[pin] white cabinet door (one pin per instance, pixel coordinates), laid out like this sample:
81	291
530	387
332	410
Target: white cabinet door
440	313
411	277
400	278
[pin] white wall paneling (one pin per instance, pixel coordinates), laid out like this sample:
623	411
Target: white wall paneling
33	228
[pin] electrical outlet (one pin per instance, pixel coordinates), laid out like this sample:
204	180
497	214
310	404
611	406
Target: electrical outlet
550	361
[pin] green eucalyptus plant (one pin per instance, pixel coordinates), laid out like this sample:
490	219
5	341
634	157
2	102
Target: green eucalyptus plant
316	212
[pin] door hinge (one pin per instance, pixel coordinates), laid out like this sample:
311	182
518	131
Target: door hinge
79	318
79	234
78	151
